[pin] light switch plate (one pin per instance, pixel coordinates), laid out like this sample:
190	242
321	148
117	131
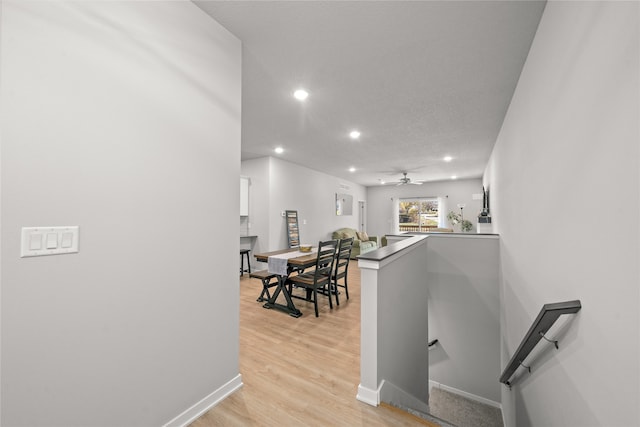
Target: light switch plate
53	240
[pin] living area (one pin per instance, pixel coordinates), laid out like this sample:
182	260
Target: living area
129	119
318	221
275	187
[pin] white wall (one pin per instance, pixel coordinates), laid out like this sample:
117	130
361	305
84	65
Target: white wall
569	146
381	213
122	118
278	185
258	221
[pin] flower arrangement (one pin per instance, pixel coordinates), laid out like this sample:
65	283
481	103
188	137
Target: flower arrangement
457	218
453	218
466	225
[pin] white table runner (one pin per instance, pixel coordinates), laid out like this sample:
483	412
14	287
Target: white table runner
277	264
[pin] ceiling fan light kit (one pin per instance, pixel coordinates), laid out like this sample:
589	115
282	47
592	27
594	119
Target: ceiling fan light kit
405	180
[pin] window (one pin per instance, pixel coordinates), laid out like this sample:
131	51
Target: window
418	214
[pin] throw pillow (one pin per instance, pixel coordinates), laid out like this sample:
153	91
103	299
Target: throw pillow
362	235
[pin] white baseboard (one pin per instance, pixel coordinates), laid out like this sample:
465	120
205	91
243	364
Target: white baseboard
369	396
199	408
480	399
395	396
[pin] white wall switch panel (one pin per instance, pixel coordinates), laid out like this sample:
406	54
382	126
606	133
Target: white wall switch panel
39	241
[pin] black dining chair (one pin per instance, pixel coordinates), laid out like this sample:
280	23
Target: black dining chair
318	279
343	256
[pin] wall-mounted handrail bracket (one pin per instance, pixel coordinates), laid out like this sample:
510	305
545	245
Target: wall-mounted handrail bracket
555	342
546	318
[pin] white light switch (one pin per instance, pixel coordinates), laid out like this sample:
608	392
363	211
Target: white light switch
38	241
67	240
35	242
52	240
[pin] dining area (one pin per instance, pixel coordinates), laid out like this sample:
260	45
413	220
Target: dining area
316	274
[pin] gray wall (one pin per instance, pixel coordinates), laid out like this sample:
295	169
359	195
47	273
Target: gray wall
403	322
278	185
122	118
394	364
569	146
381	213
464	314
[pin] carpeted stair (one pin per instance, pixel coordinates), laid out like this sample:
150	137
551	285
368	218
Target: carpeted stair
461	411
448	409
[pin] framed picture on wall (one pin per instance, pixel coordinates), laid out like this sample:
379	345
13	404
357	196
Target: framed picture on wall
344	204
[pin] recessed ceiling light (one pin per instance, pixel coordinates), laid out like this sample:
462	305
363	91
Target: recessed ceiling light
301	94
454	177
382	182
279	150
352	169
354	134
447	158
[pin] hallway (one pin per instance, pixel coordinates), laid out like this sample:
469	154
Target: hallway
301	371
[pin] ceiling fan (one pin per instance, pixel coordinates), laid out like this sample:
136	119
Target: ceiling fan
405	180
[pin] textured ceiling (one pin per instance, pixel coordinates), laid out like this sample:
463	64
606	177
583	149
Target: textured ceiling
419	79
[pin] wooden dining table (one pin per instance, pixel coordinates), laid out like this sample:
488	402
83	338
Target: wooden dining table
305	260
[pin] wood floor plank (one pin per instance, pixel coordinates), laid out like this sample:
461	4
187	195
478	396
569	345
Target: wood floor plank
302	371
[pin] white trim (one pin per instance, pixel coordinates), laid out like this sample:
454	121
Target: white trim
366	395
465	394
390	393
368	264
208	402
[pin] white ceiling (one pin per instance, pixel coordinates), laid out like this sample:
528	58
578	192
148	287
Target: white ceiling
419	79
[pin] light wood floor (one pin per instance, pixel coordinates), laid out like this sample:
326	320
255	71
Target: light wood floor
302	371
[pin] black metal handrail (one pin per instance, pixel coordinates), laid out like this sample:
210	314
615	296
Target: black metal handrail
546	318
